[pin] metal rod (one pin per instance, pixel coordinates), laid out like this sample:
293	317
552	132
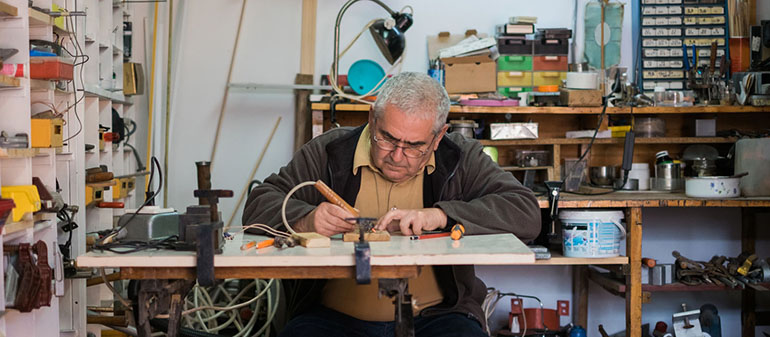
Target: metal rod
337	33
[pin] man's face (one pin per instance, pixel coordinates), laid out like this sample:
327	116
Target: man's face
410	135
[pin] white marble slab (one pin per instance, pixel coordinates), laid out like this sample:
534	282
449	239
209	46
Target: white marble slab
494	249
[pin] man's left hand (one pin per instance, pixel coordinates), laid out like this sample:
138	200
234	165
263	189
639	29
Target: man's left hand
412	221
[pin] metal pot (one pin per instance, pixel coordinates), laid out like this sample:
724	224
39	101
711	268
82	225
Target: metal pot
712	187
466	128
603	175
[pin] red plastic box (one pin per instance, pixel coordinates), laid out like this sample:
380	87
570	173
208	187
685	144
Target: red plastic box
50	68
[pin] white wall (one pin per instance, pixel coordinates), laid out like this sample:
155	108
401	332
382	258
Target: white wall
269	53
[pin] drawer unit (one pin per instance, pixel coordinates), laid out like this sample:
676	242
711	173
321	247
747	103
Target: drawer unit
550	63
552	47
514	63
514	79
514	45
513	92
548	77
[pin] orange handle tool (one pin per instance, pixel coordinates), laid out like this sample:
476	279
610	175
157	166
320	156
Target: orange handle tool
260	245
334	198
458	231
649	262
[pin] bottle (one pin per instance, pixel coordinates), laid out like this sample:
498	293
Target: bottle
662	157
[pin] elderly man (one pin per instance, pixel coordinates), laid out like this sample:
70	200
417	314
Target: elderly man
402	168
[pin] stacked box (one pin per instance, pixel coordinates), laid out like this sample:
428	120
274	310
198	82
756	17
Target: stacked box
514	66
550	62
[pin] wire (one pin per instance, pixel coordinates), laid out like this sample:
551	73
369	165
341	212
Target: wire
395	68
286	200
70	23
107	244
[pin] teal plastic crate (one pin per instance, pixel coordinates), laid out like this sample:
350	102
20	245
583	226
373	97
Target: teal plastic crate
514	62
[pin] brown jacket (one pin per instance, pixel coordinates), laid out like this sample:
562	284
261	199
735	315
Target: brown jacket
467	185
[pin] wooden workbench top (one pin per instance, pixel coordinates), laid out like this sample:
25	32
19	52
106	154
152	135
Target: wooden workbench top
649	199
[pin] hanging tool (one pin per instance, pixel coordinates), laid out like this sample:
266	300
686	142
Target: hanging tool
554	189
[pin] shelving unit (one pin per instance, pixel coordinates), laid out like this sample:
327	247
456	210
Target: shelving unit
91	100
554	122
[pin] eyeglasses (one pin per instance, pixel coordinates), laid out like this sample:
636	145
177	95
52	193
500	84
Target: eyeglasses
409	151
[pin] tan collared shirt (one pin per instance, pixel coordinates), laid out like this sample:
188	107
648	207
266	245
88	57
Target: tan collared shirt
377	196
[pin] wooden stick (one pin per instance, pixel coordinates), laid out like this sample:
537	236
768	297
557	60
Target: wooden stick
253	172
227	87
334	198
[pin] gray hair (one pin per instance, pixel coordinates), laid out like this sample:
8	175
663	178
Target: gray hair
416	94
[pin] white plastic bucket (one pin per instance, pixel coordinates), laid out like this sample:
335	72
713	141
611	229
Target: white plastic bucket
591	233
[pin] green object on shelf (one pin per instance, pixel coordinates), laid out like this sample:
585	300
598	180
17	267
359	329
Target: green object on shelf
513	92
491	151
514	62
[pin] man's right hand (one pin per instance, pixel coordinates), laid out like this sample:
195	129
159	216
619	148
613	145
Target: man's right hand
327	219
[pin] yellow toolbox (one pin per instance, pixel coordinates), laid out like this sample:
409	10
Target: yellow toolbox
514	79
47	132
548	77
25	197
94	195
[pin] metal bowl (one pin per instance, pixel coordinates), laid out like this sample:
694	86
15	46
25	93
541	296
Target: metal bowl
603	175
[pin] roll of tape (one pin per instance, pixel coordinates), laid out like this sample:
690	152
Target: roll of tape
577	80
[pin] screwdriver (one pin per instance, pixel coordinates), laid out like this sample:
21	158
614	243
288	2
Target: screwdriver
458	231
260	245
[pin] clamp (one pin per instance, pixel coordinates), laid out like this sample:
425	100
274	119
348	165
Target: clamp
398	289
363	251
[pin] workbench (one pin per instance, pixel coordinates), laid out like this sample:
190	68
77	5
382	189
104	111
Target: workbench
398	259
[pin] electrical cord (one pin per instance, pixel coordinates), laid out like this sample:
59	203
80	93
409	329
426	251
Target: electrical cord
286	200
134	246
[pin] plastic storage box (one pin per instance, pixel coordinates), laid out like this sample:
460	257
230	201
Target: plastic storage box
552	47
513	92
550	63
514	79
514	62
514	45
548	78
50	68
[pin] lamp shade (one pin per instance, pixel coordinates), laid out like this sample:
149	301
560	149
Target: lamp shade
391	41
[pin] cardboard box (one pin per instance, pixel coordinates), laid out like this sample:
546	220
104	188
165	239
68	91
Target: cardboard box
133	79
470	74
580	97
467	74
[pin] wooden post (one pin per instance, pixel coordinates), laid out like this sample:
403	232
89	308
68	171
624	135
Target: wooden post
580	295
302	115
556	163
634	278
748	296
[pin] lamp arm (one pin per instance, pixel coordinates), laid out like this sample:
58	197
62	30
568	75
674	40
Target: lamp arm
337	23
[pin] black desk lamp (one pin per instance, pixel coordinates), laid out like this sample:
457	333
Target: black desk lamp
387	33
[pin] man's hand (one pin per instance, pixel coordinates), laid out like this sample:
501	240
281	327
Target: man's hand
412	221
327	219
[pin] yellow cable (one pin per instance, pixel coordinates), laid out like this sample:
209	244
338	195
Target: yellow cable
152	92
167	125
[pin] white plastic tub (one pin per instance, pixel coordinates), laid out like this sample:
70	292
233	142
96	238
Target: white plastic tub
592	233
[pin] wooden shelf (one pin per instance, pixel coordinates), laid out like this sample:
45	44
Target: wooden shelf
568	141
457	109
7	10
9	82
559	260
531	168
616	286
649	199
18	153
38	18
